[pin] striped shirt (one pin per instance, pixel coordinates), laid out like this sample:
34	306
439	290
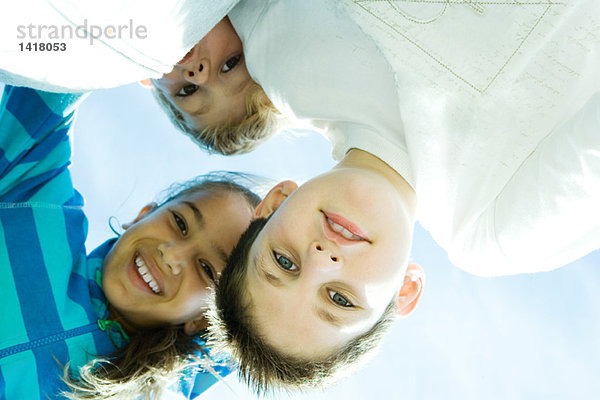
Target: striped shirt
52	308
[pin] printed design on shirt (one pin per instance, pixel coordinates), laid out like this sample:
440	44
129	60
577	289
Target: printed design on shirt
437	28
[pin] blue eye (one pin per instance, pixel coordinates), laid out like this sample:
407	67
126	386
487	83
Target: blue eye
339	299
231	63
180	222
285	262
187	90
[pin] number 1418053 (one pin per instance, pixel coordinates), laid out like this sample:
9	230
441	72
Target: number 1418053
42	46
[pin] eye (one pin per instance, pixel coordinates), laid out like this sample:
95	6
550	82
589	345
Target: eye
186	90
231	63
180	222
285	262
208	269
339	299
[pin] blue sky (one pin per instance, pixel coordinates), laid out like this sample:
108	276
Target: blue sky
521	337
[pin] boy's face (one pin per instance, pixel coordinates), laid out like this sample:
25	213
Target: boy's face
160	270
209	85
328	262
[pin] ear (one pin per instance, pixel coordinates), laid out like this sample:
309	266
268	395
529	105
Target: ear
146	83
412	288
274	198
143	212
195	326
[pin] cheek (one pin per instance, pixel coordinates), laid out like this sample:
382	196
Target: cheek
385	271
113	279
167	79
191	303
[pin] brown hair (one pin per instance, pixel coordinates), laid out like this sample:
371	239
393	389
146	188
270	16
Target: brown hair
148	364
261	122
262	366
154	358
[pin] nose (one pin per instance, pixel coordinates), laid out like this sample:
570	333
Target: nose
324	257
197	71
175	256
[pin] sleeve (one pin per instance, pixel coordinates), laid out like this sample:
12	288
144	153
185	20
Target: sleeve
197	380
548	214
34	146
78	45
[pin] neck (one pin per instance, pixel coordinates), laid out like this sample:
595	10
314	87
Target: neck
114	315
357	158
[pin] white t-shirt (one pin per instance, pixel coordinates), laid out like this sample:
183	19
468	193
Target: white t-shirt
503	185
99	44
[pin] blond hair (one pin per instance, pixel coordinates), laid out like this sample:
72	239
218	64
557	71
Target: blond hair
262	366
262	121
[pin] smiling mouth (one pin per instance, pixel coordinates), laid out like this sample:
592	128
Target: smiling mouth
345	228
343	231
144	272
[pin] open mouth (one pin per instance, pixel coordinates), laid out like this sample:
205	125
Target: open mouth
345	232
145	274
345	228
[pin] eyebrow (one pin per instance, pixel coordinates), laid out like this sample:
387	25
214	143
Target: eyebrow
220	252
202	110
197	213
323	314
272	279
328	317
241	86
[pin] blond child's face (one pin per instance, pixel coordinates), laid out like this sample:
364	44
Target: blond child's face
209	85
328	262
160	270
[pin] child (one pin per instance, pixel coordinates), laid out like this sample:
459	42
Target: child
136	302
210	96
505	177
208	93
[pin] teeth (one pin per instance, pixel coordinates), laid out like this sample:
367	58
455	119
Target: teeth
345	232
336	227
146	275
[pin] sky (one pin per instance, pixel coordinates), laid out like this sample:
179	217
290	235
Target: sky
527	337
522	337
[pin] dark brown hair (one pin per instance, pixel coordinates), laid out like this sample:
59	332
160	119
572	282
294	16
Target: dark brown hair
262	366
154	358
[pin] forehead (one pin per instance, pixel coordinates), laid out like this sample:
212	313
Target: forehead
217	200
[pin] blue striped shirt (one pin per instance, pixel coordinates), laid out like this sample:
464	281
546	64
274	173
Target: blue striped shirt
51	302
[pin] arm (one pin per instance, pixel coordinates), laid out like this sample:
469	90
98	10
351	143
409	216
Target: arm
99	44
198	380
34	145
548	214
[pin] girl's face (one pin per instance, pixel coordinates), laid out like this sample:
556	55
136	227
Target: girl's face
209	85
160	270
